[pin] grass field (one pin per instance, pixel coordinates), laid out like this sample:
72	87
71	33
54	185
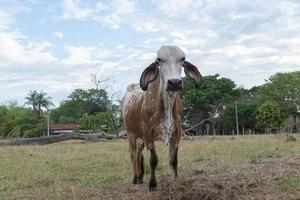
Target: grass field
260	167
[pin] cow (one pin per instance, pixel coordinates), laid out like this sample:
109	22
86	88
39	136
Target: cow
152	109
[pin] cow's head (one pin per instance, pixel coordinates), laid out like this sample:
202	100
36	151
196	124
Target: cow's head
169	63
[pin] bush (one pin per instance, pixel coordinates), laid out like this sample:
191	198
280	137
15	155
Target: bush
35	132
291	138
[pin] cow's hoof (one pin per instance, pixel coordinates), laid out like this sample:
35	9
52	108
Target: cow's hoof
152	185
140	179
135	180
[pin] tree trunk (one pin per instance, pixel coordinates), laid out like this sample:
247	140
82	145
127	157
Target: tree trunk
295	124
57	138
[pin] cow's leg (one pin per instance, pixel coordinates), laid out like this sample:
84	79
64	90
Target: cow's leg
173	152
153	163
140	161
133	155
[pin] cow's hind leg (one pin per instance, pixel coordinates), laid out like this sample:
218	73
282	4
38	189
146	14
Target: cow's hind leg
140	161
133	155
153	163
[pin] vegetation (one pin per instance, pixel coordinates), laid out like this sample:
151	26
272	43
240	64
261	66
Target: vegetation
20	122
271	107
268	115
38	101
92	109
274	106
46	172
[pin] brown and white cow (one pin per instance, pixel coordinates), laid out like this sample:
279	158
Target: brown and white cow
153	109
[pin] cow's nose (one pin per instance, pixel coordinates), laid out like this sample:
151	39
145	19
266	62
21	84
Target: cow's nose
174	84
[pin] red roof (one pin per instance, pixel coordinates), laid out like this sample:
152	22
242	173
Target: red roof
63	126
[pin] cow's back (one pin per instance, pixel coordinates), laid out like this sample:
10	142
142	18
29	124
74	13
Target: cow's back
132	105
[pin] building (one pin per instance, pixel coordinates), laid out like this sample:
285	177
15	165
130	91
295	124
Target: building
58	128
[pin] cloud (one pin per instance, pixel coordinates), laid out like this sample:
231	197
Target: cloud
174	7
5	20
13	52
79	55
72	10
58	35
246	41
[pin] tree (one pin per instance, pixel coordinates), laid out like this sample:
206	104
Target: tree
32	99
80	102
91	100
87	123
210	100
43	101
38	101
246	115
284	88
105	122
268	115
20	122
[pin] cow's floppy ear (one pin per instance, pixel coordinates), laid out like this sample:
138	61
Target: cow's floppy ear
149	75
191	71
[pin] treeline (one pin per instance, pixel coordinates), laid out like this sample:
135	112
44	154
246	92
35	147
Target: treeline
214	108
19	121
92	110
271	107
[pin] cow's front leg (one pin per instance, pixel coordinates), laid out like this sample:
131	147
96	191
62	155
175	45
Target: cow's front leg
173	152
153	163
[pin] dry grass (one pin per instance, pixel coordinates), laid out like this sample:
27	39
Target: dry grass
249	167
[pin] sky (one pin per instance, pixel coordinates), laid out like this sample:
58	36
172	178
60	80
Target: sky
56	45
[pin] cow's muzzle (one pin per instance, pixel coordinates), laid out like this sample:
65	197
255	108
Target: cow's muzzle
174	85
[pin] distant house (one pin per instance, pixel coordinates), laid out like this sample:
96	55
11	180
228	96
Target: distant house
58	128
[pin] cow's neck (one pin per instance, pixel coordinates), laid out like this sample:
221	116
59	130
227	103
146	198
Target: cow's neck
168	100
164	104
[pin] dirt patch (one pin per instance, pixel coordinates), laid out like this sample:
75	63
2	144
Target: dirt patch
255	180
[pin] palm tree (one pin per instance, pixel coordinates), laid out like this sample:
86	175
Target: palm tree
32	99
43	101
39	100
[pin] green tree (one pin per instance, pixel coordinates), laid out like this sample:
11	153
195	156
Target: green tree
5	125
20	122
284	88
43	101
32	99
87	123
210	100
38	101
105	122
80	102
268	115
246	115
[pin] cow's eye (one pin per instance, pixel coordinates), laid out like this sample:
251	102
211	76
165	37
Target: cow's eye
183	59
158	59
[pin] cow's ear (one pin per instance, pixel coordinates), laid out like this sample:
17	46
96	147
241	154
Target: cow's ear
191	71
149	75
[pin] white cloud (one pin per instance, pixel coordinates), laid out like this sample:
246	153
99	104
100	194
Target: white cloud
120	46
13	52
58	35
246	41
113	20
79	55
5	20
118	10
73	10
174	7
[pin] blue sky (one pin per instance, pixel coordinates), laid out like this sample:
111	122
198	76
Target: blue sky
56	45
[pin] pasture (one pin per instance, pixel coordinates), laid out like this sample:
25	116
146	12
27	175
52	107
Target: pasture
221	167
